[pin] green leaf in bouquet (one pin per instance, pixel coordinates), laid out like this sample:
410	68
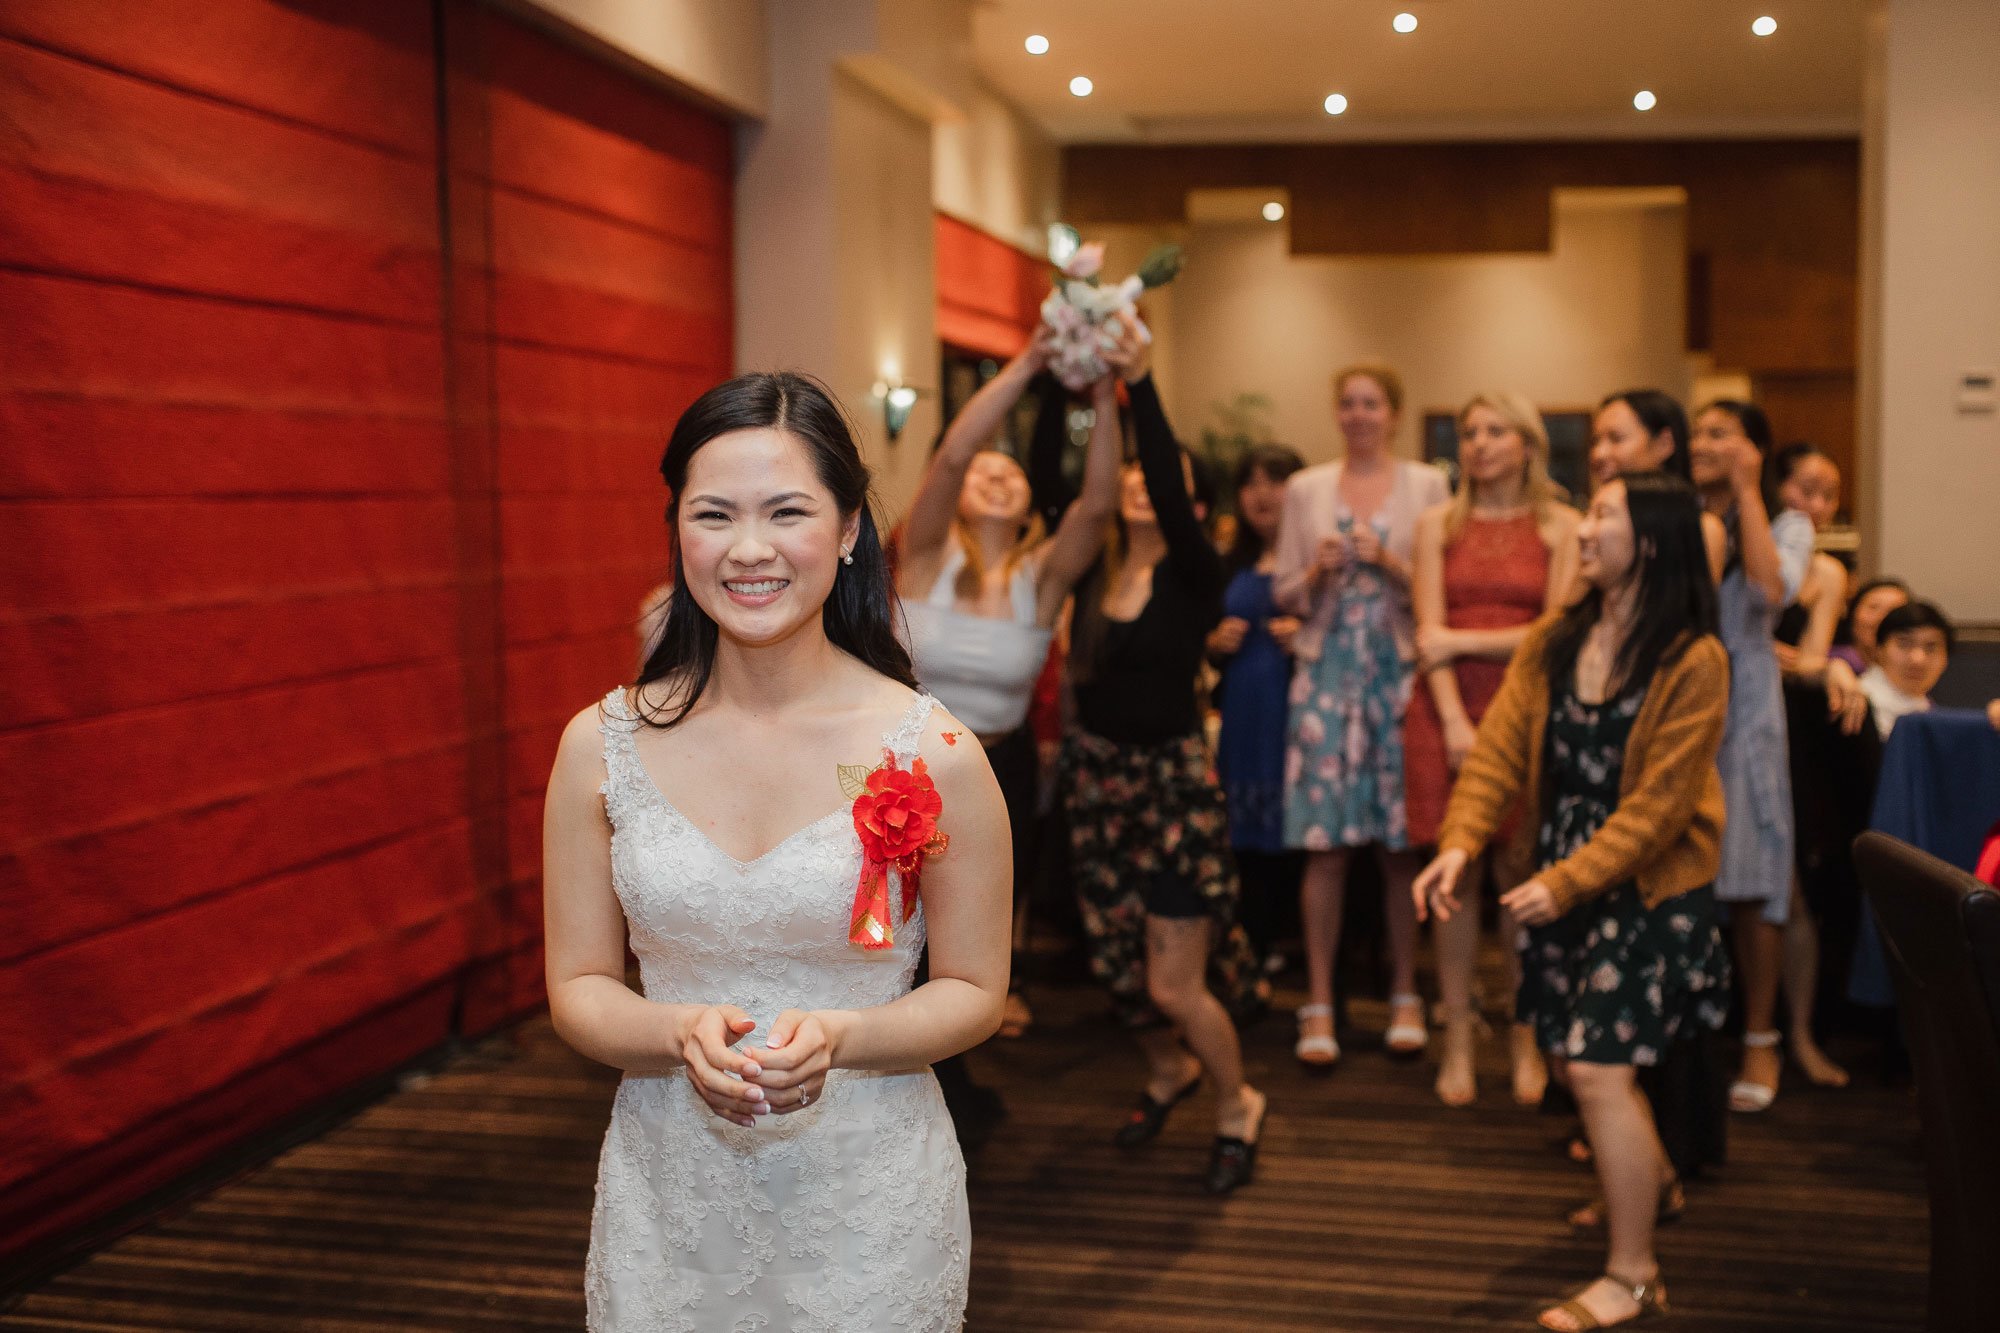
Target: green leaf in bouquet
1162	266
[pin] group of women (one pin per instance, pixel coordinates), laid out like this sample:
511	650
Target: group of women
1365	621
1405	671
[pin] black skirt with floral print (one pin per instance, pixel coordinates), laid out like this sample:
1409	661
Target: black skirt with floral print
1613	981
1140	817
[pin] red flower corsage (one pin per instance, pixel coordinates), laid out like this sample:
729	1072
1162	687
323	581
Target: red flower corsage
895	815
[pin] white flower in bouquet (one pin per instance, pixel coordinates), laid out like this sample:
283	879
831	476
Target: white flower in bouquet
1078	307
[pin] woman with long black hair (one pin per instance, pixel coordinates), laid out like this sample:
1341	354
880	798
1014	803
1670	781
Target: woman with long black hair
1148	827
777	820
1608	722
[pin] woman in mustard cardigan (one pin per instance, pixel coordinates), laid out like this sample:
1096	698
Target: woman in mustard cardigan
1609	721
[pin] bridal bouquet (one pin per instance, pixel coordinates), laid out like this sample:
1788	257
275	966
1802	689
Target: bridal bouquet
1079	307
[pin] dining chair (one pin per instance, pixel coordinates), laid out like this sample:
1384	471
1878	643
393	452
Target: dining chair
1941	929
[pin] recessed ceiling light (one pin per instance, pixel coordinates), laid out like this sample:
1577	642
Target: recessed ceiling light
1765	26
1335	104
1644	100
1080	86
1404	23
1273	211
1038	45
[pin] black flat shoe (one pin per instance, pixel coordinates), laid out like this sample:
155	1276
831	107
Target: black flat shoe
1231	1162
1150	1117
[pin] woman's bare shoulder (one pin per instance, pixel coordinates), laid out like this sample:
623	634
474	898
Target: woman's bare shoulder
1559	523
957	762
579	758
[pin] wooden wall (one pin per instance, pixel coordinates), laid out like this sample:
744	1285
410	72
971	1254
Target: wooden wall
1773	231
327	491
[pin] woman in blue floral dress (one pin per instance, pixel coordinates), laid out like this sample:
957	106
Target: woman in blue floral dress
1345	546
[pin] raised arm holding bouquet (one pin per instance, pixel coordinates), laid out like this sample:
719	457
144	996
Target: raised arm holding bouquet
1079	309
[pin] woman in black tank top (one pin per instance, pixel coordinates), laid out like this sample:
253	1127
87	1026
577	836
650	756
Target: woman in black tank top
1825	898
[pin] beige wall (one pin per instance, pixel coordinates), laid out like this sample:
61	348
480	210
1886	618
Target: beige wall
884	291
996	170
1603	312
1939	468
784	200
835	194
715	47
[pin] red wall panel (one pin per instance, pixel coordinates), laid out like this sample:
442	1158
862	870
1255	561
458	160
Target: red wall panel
989	293
606	237
328	494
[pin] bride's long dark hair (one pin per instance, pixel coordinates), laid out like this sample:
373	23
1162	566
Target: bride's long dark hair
859	613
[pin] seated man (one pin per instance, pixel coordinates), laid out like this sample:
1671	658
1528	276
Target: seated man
1915	643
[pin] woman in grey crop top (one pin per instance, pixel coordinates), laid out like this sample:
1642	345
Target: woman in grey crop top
982	584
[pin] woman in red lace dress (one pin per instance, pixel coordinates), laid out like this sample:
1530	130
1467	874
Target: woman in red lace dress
1489	561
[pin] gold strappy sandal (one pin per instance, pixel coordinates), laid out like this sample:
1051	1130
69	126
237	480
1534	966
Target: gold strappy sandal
1650	1297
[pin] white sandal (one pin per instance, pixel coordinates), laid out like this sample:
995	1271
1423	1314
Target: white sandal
1316	1053
1406	1038
1745	1096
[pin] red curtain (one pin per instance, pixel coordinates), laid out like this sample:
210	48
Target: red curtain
328	496
989	294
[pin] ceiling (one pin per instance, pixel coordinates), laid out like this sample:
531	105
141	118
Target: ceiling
1259	70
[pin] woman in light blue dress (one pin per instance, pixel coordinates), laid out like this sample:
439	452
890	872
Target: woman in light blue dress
1767	562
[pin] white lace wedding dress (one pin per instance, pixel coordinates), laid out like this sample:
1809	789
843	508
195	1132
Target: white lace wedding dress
846	1217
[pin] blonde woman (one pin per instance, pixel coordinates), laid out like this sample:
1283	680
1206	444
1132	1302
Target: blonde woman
1489	561
1344	551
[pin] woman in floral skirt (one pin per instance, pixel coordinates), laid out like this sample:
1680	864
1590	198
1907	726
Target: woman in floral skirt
1149	834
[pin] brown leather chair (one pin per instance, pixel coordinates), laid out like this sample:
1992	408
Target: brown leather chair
1941	930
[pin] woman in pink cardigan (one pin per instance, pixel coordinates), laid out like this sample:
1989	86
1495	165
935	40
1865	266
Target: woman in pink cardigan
1343	565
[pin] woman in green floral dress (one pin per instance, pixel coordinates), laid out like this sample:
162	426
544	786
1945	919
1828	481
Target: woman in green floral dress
1609	721
1613	981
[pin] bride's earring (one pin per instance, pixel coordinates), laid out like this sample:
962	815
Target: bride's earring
847	557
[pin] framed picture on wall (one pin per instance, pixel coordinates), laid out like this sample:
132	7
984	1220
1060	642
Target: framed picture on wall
1569	446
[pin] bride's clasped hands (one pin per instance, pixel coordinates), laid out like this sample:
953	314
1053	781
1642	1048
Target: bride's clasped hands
783	1075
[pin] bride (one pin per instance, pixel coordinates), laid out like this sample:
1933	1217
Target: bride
777	820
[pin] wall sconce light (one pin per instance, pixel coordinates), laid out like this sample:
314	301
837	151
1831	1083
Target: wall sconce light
897	400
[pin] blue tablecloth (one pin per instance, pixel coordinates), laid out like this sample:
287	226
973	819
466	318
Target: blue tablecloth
1939	791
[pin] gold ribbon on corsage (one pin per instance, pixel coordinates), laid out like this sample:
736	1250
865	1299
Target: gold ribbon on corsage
895	814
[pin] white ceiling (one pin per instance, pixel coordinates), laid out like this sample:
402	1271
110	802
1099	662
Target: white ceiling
1259	70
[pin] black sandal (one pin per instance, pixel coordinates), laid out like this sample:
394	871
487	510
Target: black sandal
1232	1161
1230	1165
1150	1117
